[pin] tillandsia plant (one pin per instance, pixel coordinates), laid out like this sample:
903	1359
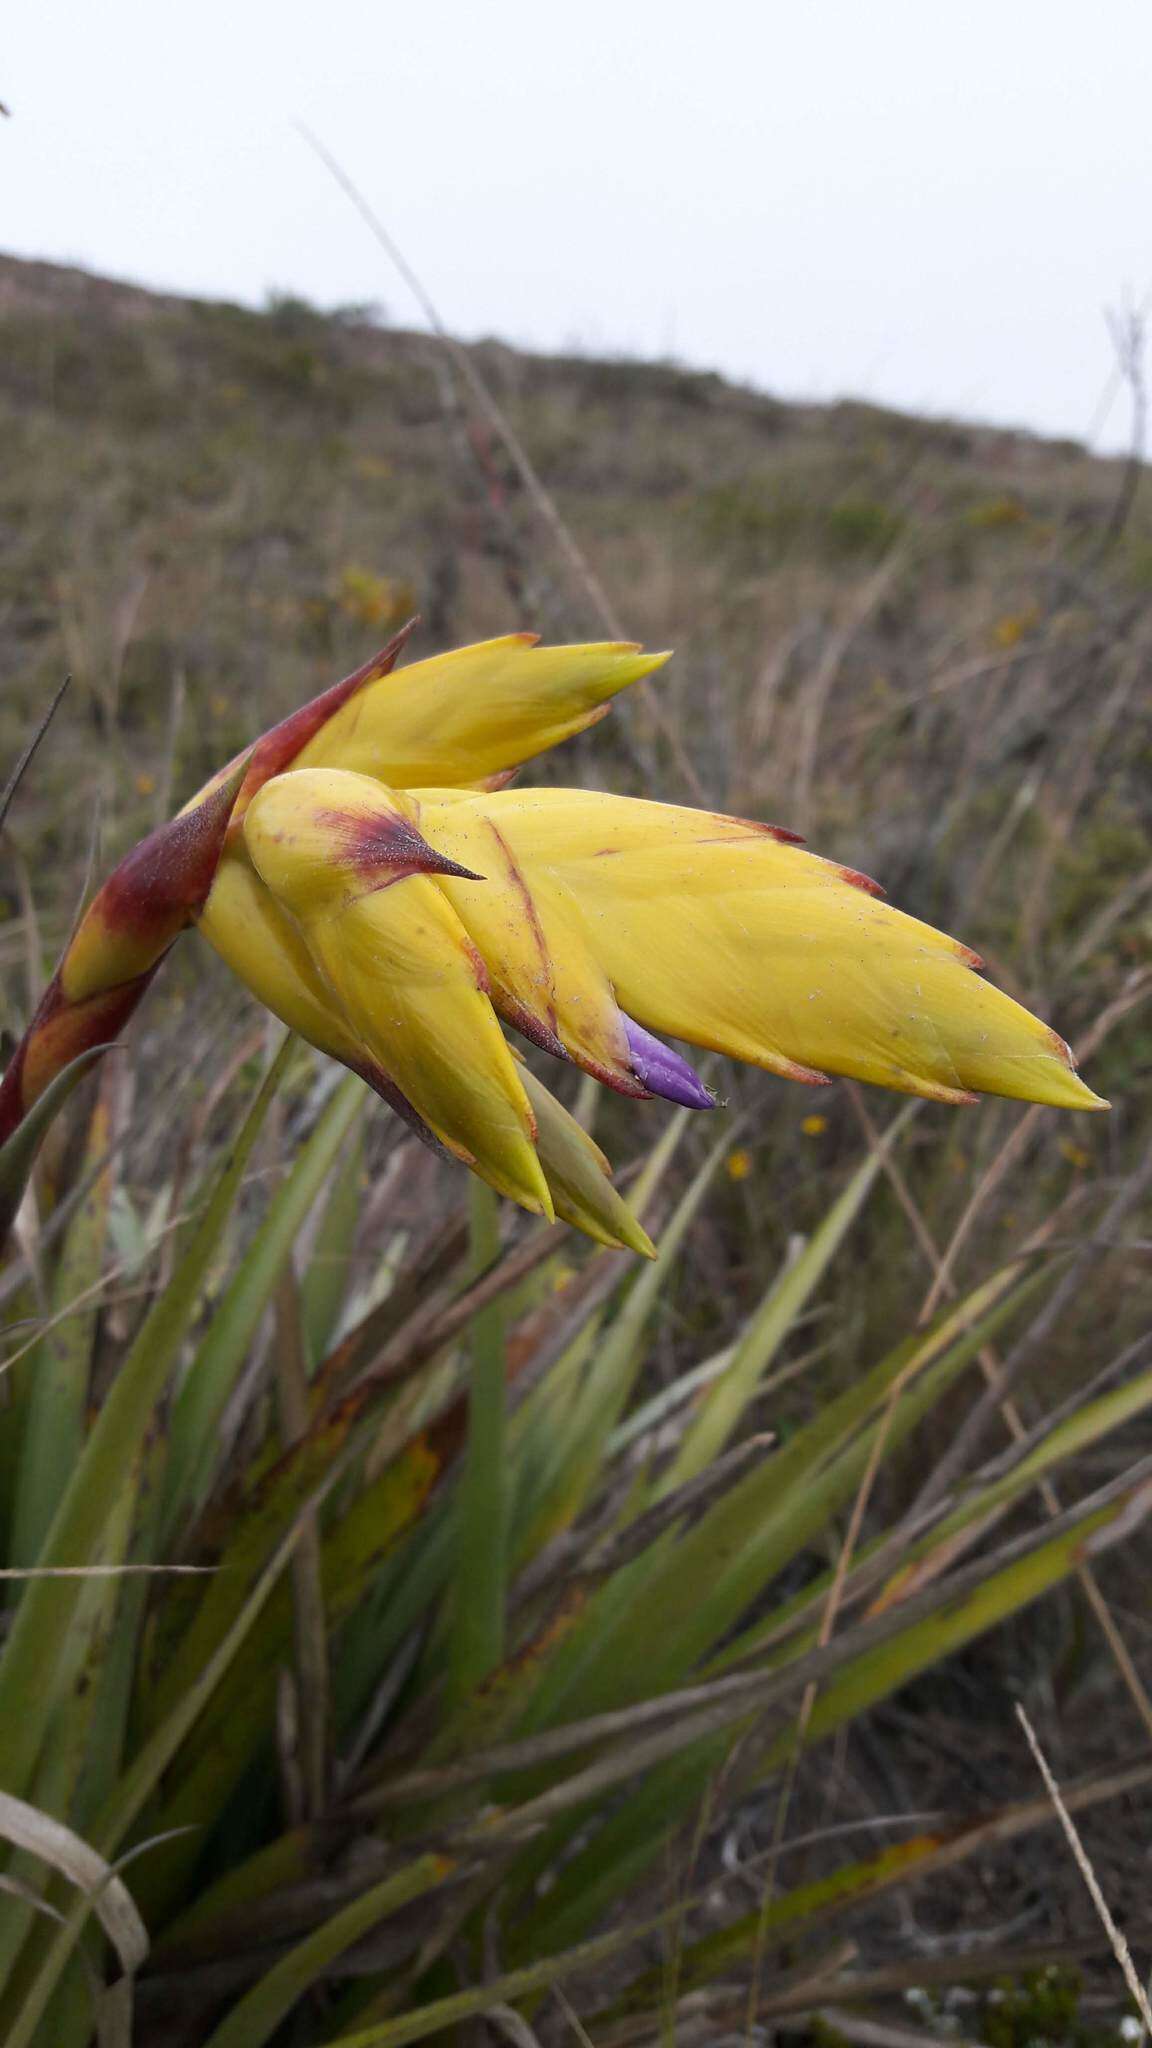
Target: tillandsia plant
369	874
351	1720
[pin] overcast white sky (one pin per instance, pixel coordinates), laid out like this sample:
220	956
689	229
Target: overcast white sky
928	204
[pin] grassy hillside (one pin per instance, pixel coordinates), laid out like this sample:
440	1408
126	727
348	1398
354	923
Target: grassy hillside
921	643
925	646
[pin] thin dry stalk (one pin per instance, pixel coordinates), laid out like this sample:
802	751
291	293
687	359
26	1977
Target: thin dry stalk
313	1703
824	681
1119	1946
549	513
944	1285
1135	992
25	759
1129	340
1062	1299
808	1702
873	2033
1083	752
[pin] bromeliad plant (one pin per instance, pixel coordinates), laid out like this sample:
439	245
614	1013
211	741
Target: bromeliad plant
367	873
429	1712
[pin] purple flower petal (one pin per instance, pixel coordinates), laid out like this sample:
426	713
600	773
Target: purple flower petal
663	1071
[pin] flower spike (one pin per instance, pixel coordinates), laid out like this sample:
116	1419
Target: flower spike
370	874
118	944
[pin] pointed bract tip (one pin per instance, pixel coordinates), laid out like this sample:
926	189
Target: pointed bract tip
782	833
277	749
382	662
531	1027
388	842
1077	1094
862	881
503	780
439	864
791	1070
636	1240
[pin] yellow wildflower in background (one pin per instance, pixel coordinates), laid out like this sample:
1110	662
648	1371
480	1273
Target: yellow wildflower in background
1009	631
374	600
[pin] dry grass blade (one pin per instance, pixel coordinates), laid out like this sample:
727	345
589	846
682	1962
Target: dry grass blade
512	2025
106	1571
700	1710
1063	1297
18	772
1136	991
544	503
311	1643
944	1286
111	1901
828	1620
824	681
876	2033
1117	1943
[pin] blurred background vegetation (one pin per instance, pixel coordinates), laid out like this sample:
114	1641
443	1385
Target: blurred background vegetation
922	644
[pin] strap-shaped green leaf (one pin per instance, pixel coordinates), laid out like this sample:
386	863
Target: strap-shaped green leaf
18	1153
258	2015
787	1298
212	1374
94	1495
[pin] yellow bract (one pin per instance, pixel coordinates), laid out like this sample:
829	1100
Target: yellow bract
710	930
102	954
398	966
265	949
264	946
461	717
546	978
384	899
578	1175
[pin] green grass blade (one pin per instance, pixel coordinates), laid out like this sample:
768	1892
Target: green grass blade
730	1396
140	1780
621	1352
440	2014
211	1376
879	1671
1076	1433
661	1615
18	1153
981	1502
253	2022
67	1749
842	1890
324	1287
36	1646
56	1371
479	1589
948	1616
592	1419
215	1755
